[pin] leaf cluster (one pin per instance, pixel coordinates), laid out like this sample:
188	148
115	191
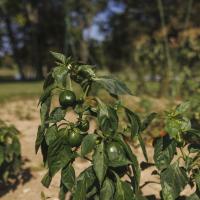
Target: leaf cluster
105	148
10	153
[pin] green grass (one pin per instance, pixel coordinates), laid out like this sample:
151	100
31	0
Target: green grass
15	90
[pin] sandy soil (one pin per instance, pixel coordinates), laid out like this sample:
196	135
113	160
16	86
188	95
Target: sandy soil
25	116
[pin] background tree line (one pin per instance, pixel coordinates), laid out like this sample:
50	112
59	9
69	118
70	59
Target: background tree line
157	39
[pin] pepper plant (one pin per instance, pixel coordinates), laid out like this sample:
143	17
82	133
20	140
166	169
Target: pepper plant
10	154
106	148
177	155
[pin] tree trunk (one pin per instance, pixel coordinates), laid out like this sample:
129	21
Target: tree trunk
166	76
164	83
83	51
141	86
13	44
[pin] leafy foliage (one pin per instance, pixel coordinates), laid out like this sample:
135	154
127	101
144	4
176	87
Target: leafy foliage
62	141
106	148
10	153
180	138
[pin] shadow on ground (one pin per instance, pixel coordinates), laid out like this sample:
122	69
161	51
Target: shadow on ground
24	176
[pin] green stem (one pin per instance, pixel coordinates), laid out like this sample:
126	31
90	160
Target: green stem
69	82
86	92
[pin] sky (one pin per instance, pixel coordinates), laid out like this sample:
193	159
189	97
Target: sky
94	32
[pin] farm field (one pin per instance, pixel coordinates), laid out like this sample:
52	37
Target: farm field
17	112
99	100
16	90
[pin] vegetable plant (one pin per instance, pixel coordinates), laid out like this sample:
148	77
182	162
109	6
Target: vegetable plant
106	148
10	154
177	155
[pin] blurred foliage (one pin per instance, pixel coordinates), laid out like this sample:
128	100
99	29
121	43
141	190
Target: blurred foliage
128	37
10	153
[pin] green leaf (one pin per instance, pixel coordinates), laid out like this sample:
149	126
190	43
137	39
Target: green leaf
88	176
197	179
194	196
119	193
100	162
133	159
68	177
142	144
194	148
174	126
59	56
192	136
80	191
46	180
148	119
46	93
48	81
51	134
140	197
86	71
112	85
44	150
44	110
107	190
88	144
173	181
121	160
129	195
44	114
1	155
16	148
62	192
57	115
60	76
91	193
96	197
39	138
59	155
107	117
134	121
182	108
164	151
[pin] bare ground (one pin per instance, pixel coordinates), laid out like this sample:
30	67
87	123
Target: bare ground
25	116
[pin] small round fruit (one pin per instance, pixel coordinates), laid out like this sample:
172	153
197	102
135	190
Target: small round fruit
67	98
114	151
84	125
75	137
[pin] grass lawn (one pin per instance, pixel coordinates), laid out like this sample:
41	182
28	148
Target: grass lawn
19	90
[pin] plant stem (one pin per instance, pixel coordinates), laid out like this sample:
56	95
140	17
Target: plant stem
69	82
86	91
